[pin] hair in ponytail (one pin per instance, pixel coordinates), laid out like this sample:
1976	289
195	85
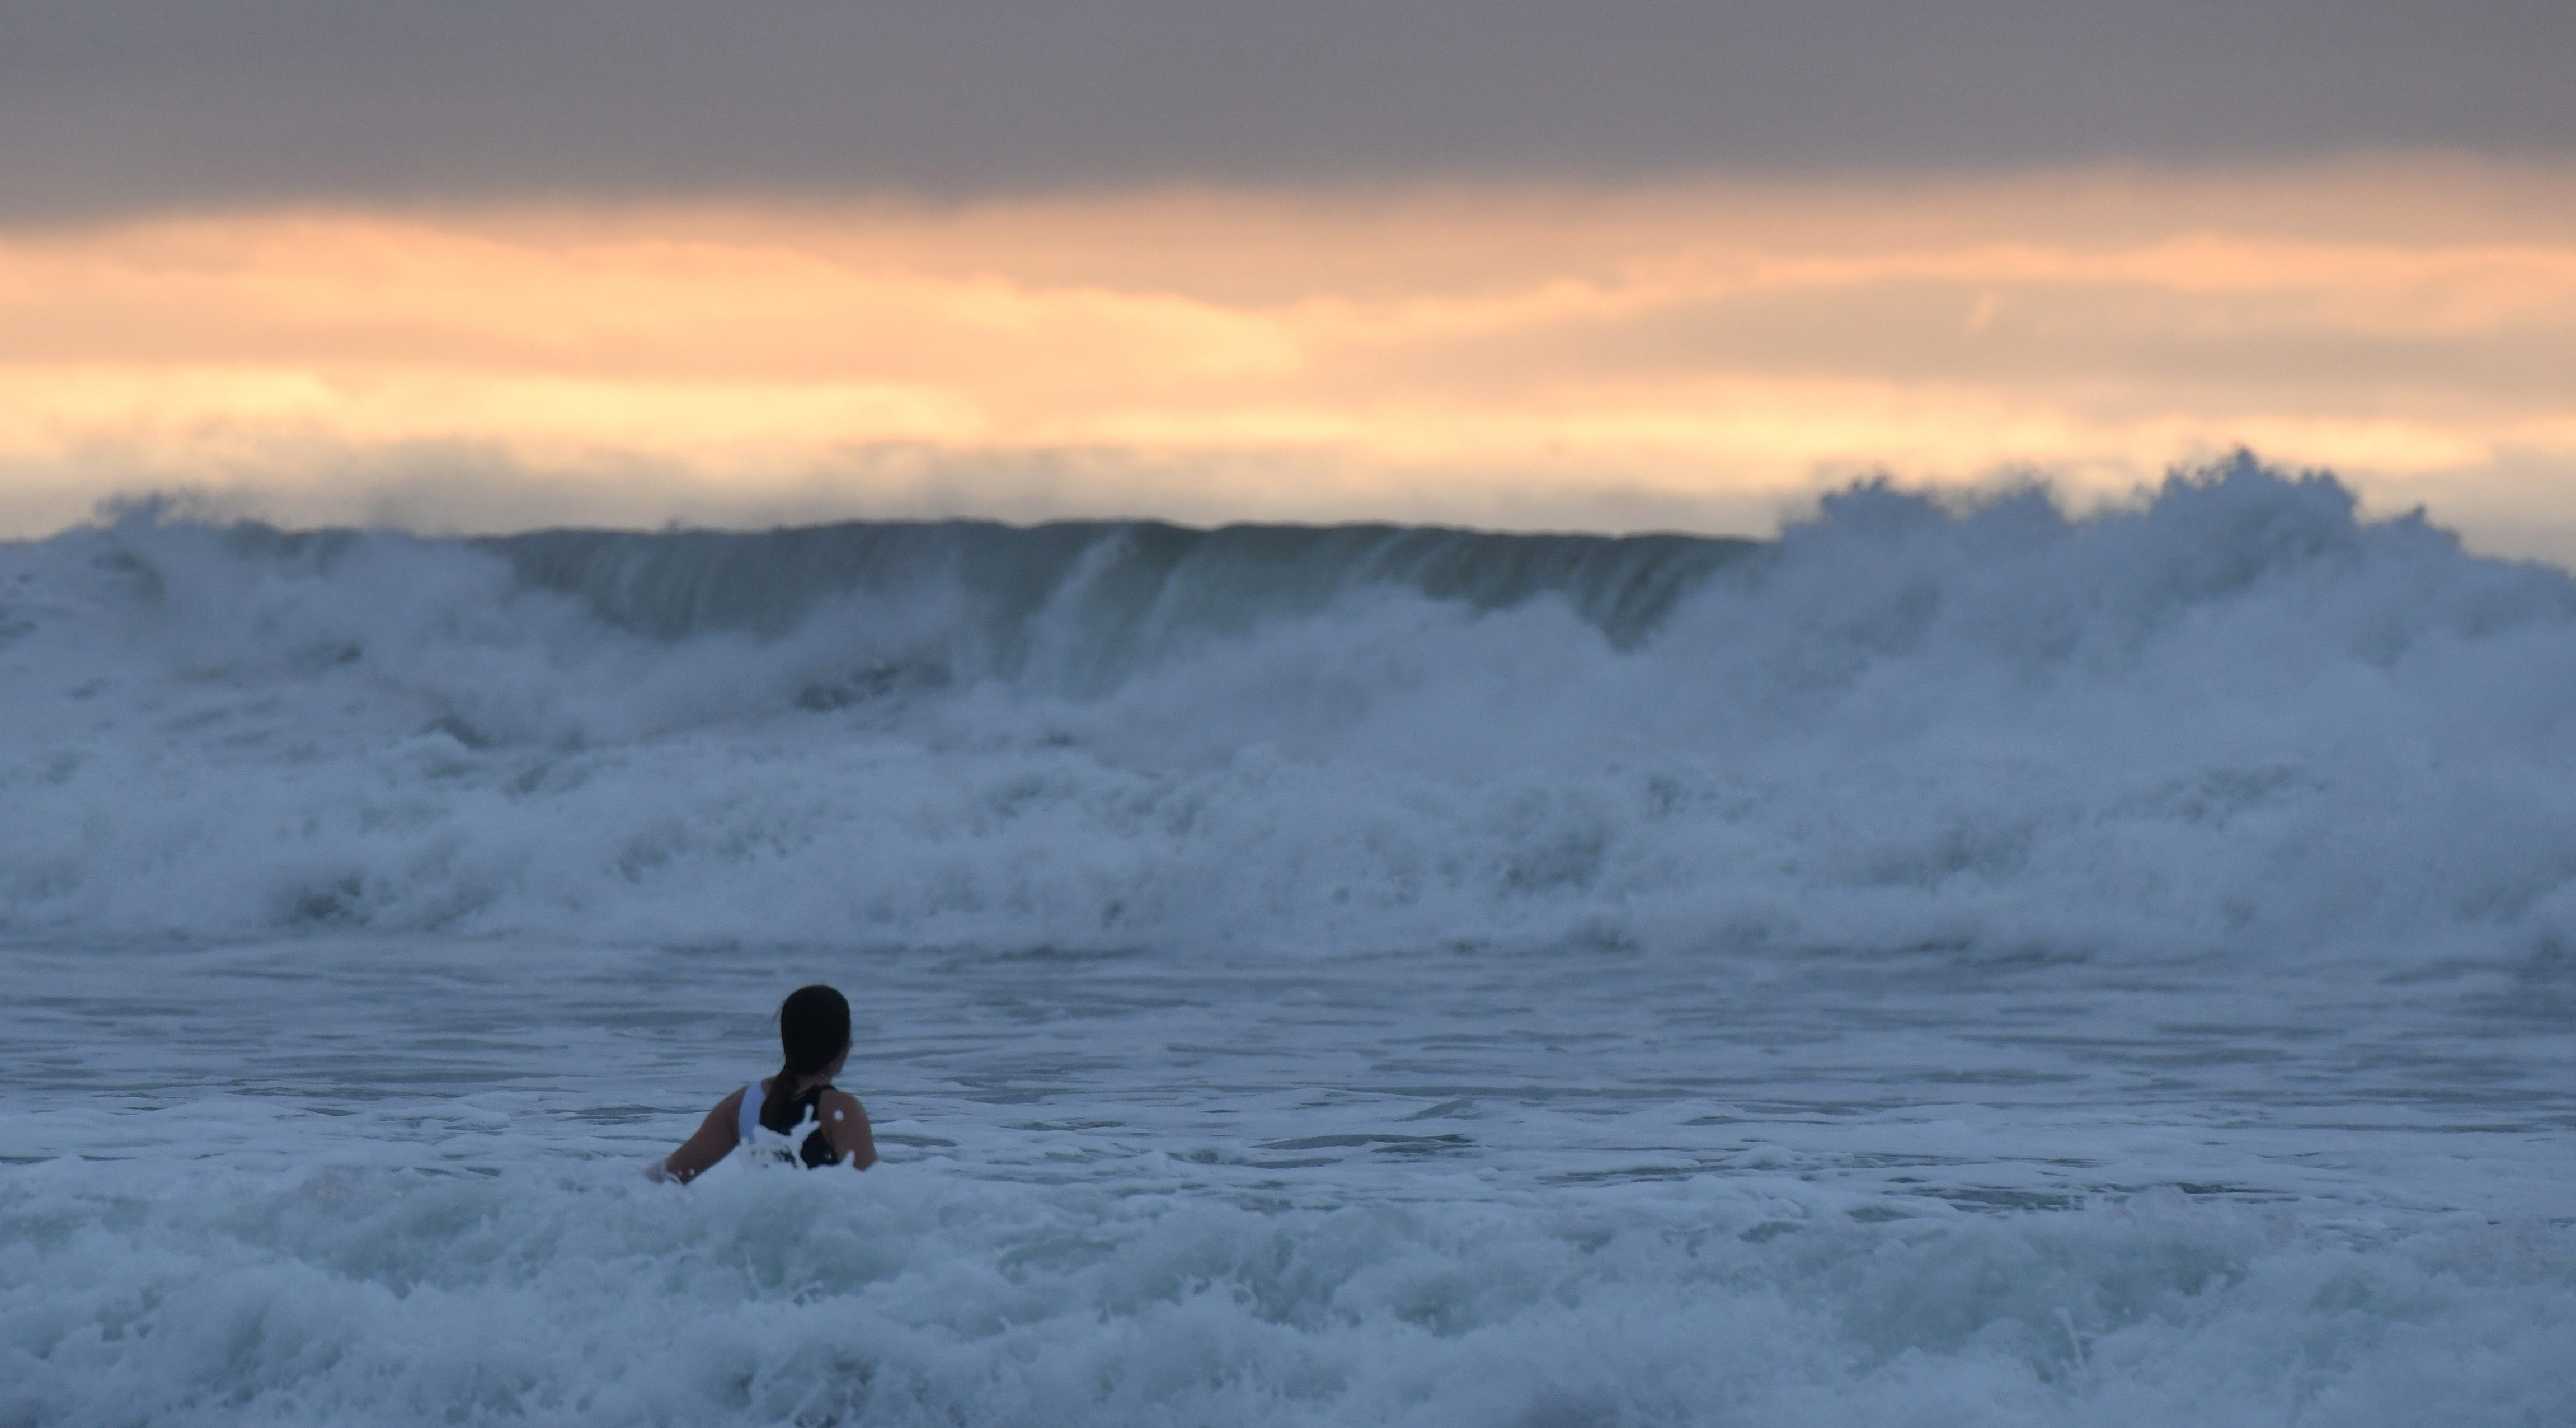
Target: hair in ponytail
814	1026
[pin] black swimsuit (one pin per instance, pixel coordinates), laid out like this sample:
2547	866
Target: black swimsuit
816	1151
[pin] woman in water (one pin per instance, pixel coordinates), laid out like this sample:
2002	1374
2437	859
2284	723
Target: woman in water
814	1022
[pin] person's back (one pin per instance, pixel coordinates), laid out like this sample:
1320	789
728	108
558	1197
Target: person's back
814	1029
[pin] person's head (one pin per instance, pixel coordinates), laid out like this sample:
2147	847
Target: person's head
814	1028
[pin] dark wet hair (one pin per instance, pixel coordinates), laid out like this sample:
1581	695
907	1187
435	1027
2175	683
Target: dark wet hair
814	1027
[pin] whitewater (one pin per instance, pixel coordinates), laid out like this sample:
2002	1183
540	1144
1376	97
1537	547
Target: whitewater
1960	962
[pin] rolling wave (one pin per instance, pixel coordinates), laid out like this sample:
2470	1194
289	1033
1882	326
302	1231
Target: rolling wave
2234	719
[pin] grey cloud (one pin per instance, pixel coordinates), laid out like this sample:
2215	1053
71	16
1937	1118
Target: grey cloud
116	105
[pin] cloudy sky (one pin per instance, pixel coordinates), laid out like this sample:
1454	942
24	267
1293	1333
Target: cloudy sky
1612	266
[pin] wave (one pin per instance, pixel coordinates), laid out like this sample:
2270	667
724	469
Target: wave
1130	585
151	1292
2234	719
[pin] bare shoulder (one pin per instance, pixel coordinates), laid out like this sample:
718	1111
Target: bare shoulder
839	1102
846	1122
731	1105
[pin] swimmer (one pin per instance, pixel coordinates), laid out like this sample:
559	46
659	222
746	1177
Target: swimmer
814	1023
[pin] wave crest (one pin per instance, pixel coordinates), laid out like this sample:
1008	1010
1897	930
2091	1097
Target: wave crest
2235	719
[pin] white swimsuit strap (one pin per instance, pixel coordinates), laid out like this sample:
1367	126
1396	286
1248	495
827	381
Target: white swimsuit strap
747	1125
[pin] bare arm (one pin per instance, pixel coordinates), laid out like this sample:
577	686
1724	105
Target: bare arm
846	1122
715	1139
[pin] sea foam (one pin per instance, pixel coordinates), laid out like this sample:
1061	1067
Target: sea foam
133	1296
2236	720
1959	963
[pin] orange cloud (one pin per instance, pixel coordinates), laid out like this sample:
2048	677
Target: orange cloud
1695	354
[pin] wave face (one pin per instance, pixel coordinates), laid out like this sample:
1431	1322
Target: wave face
2238	720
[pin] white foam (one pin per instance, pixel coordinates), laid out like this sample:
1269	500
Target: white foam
146	1294
2236	721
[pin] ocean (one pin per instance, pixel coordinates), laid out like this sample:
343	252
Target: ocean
1961	962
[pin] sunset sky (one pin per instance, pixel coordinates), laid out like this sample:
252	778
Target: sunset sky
1619	266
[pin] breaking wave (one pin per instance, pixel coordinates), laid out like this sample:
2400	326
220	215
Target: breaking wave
401	1299
2233	719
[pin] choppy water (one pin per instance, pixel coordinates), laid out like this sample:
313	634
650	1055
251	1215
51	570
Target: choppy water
1948	968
